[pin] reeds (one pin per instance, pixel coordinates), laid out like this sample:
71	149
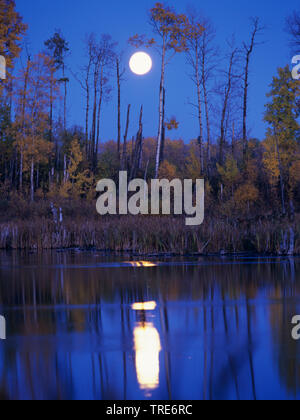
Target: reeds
148	235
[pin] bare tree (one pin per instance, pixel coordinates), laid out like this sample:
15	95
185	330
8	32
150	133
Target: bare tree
124	154
226	92
248	51
103	57
293	28
84	80
209	55
194	33
120	74
94	81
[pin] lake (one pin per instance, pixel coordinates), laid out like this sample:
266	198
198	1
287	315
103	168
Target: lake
81	325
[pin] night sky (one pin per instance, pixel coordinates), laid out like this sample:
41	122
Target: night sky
123	19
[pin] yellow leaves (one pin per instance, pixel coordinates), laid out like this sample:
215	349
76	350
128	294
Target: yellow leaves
193	31
270	160
251	170
79	181
11	31
170	26
193	167
246	194
230	173
167	171
76	158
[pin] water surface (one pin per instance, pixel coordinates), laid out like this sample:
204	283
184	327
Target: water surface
86	326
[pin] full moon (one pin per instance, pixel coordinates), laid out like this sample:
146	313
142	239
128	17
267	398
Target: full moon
140	63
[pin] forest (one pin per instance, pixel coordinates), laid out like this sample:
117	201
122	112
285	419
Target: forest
49	168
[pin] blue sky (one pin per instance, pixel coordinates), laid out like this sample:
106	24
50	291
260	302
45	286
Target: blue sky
123	19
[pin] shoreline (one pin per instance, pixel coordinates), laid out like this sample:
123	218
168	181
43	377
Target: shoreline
153	236
167	255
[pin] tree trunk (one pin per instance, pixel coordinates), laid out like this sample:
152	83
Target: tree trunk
282	187
87	110
124	157
161	97
119	107
227	93
65	99
51	108
249	50
163	130
138	147
23	119
21	169
32	180
200	138
98	120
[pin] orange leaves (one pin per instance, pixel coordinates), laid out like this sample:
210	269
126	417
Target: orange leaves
170	26
167	171
246	194
193	31
12	30
138	41
172	124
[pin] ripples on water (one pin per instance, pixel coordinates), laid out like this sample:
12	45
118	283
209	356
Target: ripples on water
82	326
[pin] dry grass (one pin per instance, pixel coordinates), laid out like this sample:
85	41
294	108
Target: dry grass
147	235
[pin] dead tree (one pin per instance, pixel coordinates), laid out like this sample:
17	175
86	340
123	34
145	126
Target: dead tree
226	92
293	28
119	80
124	154
163	130
248	49
194	34
209	55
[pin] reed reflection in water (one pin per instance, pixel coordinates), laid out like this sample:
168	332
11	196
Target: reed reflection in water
79	329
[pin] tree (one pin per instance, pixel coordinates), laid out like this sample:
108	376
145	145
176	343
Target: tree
209	54
226	92
169	28
248	50
167	171
120	74
78	181
230	174
58	47
100	58
12	30
282	114
293	28
32	122
194	32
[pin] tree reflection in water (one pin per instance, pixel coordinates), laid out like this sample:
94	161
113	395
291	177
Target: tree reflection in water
77	329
